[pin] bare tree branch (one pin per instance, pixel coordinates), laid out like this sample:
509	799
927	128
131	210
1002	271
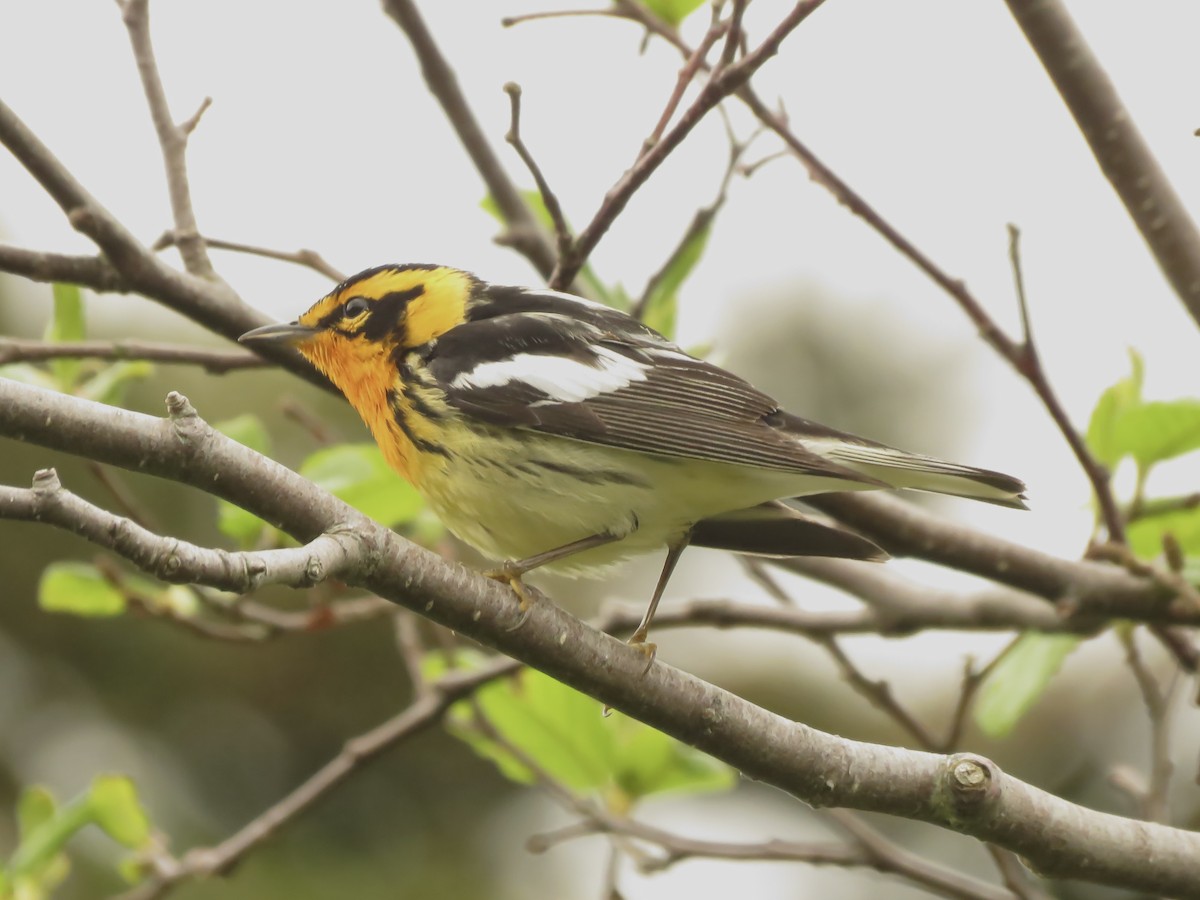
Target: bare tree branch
90	271
901	603
425	710
965	792
217	362
524	231
1086	587
210	303
873	851
1025	359
721	85
172	138
1155	801
173	560
1115	141
309	258
562	232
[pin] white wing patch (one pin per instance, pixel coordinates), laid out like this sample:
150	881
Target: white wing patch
562	380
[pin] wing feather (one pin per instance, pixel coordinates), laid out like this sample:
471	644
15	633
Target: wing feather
632	390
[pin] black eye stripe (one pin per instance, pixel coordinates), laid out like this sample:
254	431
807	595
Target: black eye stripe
388	311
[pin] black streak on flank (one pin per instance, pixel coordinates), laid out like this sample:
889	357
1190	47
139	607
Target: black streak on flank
400	414
388	312
411	384
591	476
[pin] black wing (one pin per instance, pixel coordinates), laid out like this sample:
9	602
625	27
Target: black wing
596	375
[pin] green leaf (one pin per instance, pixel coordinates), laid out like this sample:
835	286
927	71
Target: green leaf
36	807
79	589
114	803
1019	679
359	475
38	859
67	325
248	430
1103	435
662	295
1157	431
672	11
1145	534
110	383
232	521
27	373
564	733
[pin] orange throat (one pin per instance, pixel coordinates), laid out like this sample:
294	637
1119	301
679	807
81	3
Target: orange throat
365	374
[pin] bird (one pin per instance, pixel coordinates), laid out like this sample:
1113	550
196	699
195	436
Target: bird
550	431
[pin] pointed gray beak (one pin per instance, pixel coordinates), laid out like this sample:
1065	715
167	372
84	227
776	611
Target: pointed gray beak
286	333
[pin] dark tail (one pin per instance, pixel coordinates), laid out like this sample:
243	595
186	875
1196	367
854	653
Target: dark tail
775	529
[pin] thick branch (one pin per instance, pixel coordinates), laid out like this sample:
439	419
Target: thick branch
1115	141
174	560
1084	587
966	793
209	303
90	271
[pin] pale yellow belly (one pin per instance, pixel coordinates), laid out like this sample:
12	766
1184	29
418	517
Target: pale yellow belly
545	492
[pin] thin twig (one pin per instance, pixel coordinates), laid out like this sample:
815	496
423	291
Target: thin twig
734	37
523	230
701	222
357	752
1114	139
878	694
756	568
303	416
875	851
721	85
510	21
172	138
217	362
127	502
309	258
1158	702
212	304
412	650
562	231
150	606
972	680
691	66
1025	359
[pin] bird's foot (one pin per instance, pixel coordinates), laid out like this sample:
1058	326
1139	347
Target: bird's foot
510	573
648	648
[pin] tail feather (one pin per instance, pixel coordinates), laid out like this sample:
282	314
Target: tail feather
925	473
902	469
775	529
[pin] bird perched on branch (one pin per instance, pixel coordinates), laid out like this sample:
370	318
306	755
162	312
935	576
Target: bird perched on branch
546	430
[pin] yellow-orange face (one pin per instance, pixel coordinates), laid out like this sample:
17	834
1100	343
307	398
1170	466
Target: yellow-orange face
356	334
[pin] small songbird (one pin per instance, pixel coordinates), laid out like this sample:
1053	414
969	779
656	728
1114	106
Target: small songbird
546	430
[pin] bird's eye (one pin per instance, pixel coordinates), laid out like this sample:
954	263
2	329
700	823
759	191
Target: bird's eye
355	307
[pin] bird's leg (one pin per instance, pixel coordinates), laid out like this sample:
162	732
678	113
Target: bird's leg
512	570
638	638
